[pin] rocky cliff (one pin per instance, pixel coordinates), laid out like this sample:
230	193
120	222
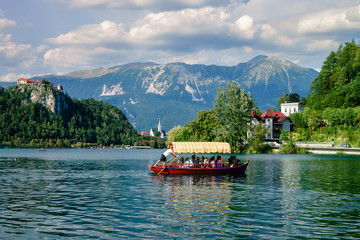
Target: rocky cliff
51	98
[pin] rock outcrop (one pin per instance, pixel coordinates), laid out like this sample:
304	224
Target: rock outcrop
51	98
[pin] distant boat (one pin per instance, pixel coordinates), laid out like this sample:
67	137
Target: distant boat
172	167
41	150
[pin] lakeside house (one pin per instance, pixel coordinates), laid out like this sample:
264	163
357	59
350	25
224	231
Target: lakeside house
276	121
290	108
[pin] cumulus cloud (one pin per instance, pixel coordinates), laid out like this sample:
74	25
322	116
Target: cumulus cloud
105	32
15	55
6	23
245	25
75	57
331	20
157	5
200	32
162	28
12	77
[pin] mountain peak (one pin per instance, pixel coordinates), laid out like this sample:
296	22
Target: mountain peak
147	91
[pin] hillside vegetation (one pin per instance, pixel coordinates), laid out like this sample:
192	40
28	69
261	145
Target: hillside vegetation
23	122
332	112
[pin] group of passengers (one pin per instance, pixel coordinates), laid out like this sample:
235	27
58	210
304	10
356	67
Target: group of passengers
196	162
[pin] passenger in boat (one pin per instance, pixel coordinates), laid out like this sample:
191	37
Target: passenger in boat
212	162
192	161
197	162
231	161
169	151
235	161
218	162
187	163
181	162
206	163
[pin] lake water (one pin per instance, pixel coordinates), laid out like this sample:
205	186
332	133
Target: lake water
110	194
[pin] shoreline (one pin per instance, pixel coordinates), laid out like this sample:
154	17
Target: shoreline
327	150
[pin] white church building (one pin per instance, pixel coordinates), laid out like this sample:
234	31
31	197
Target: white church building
162	132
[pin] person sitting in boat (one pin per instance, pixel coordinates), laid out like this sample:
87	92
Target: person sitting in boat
197	162
218	162
187	163
212	162
181	162
235	161
191	161
206	163
231	161
169	151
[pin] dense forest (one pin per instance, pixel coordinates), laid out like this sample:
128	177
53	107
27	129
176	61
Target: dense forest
338	84
332	108
85	122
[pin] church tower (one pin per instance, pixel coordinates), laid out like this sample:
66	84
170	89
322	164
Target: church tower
159	126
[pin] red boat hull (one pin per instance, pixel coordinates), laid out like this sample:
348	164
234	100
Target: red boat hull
240	169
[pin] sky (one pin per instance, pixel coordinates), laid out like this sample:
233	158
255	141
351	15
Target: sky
59	36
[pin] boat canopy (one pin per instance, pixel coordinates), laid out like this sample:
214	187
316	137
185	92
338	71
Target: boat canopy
201	147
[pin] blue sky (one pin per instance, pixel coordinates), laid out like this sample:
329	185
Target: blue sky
59	36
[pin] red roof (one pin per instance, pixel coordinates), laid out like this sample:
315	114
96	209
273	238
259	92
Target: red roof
279	116
144	133
253	114
26	80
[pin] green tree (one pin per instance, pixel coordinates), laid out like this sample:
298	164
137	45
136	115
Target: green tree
232	108
283	99
284	135
256	141
174	133
294	97
338	83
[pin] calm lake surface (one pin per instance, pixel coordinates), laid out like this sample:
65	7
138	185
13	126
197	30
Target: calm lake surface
110	194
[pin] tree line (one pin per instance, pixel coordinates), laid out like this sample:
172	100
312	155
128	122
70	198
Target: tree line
85	123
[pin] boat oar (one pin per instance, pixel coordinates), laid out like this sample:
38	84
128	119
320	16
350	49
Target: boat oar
168	164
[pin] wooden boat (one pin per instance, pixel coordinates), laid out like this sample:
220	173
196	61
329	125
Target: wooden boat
173	167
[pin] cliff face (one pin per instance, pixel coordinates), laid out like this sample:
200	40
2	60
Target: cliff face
52	99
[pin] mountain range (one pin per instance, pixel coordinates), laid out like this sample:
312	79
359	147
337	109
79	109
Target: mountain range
176	92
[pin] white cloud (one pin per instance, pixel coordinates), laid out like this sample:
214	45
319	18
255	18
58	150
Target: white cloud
15	55
331	20
105	32
6	23
245	25
322	45
75	57
12	77
156	5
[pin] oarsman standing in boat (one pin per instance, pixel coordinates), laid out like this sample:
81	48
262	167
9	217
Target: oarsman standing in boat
165	154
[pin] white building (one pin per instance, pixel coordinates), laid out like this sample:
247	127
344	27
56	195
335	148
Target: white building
162	133
290	108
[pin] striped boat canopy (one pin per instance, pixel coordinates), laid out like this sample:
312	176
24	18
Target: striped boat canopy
201	147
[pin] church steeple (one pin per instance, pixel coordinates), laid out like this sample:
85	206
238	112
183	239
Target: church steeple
159	126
